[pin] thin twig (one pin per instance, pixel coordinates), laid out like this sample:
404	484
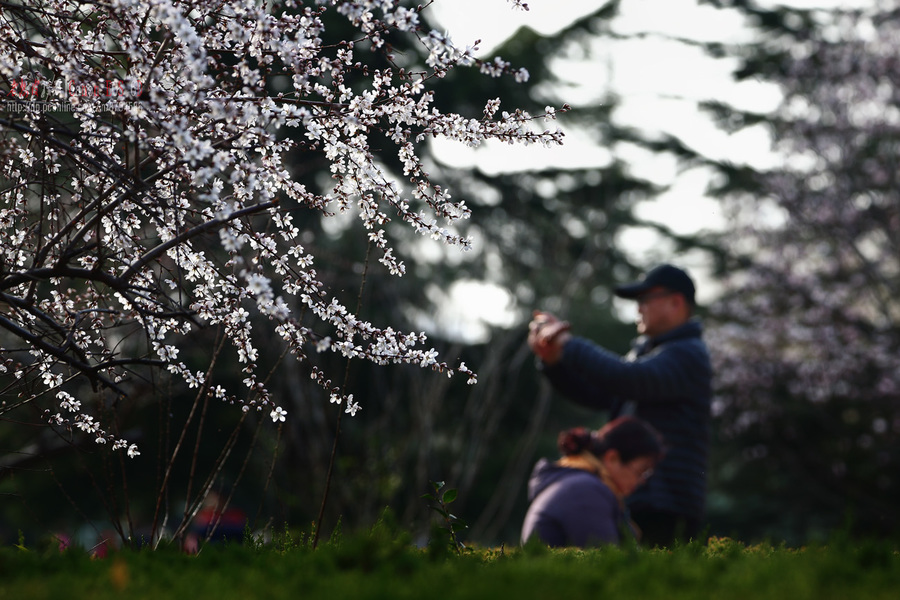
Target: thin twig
337	428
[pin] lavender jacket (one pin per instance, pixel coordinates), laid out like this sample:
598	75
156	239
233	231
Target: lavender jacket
570	507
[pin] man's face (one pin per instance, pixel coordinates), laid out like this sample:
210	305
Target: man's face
656	311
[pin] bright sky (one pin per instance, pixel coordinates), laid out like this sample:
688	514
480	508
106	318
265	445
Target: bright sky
659	81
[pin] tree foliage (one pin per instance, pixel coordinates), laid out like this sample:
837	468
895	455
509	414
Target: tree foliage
160	163
807	342
157	198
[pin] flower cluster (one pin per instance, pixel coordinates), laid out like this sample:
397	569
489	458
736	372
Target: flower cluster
125	226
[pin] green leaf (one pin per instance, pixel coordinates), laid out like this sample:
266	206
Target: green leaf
449	496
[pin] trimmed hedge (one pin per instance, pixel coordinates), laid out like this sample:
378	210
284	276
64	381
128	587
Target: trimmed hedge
383	564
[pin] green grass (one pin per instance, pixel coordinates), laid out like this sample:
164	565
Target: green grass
382	564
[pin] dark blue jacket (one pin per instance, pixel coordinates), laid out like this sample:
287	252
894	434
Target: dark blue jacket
667	381
570	507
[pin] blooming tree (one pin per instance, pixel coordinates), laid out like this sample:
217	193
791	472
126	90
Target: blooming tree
807	341
148	150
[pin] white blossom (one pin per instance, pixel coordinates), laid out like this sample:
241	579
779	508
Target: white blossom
278	414
186	219
352	408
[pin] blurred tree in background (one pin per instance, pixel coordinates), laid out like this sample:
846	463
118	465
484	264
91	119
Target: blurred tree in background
807	341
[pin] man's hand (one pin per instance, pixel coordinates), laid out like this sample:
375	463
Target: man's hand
547	336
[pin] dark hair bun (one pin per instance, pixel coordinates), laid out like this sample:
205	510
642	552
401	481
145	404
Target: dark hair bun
630	436
573	441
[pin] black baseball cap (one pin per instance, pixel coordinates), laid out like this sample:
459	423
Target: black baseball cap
667	276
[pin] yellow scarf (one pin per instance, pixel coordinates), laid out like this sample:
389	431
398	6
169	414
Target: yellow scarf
590	463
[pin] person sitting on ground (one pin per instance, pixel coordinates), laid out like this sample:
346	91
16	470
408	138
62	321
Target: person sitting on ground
579	499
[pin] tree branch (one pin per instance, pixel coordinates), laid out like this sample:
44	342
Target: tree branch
161	249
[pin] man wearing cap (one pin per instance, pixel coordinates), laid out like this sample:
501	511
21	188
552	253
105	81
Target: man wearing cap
665	379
